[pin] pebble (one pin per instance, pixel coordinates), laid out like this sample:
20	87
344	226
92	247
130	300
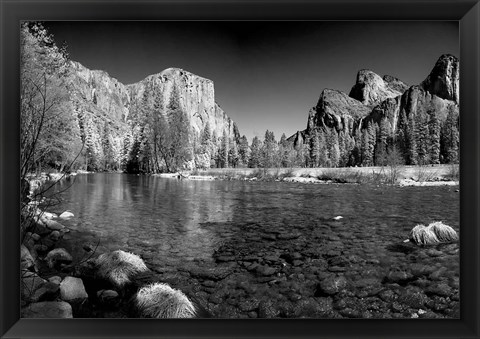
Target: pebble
209	283
248	305
331	285
399	277
440	289
434	253
413	299
55	235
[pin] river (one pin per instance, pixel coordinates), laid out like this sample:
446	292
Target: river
272	249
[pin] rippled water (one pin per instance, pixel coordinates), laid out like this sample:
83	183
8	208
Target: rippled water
181	226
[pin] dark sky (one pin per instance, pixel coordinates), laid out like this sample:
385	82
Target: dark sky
267	75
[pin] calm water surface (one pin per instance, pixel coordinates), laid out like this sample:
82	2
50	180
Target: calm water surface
181	225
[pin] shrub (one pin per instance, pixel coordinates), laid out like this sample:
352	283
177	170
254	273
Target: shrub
435	233
159	300
119	266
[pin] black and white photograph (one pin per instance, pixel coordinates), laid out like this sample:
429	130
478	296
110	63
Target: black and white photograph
240	169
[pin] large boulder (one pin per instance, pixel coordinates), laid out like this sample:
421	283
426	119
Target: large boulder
54	225
72	289
35	288
118	267
26	259
46	292
66	215
57	257
48	309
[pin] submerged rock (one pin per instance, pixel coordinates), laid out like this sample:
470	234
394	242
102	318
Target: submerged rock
48	309
214	273
331	285
58	256
54	225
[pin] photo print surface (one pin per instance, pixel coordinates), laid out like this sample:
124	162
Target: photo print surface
201	169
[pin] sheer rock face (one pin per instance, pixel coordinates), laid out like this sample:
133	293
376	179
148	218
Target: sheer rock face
197	97
444	79
108	99
415	101
101	92
336	109
370	89
395	83
386	102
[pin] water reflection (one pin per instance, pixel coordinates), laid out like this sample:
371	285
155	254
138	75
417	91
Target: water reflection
182	220
140	211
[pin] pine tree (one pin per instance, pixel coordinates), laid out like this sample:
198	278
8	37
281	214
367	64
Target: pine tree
411	141
315	149
450	137
126	150
206	138
223	151
233	156
180	149
269	151
422	136
283	151
333	148
107	147
244	151
382	142
255	153
434	137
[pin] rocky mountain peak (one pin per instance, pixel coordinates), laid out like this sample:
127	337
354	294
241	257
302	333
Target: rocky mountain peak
444	79
371	89
395	83
337	102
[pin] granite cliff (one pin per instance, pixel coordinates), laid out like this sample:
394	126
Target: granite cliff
420	121
108	113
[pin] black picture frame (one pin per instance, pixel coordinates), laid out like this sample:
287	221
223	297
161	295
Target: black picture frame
466	12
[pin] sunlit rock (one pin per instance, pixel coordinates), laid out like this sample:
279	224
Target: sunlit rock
66	215
72	289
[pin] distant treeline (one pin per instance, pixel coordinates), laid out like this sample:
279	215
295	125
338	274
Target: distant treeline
58	132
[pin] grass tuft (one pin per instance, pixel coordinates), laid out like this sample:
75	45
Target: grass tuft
159	300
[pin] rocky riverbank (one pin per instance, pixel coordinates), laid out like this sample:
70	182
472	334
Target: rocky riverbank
280	272
321	268
438	175
262	272
48	287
